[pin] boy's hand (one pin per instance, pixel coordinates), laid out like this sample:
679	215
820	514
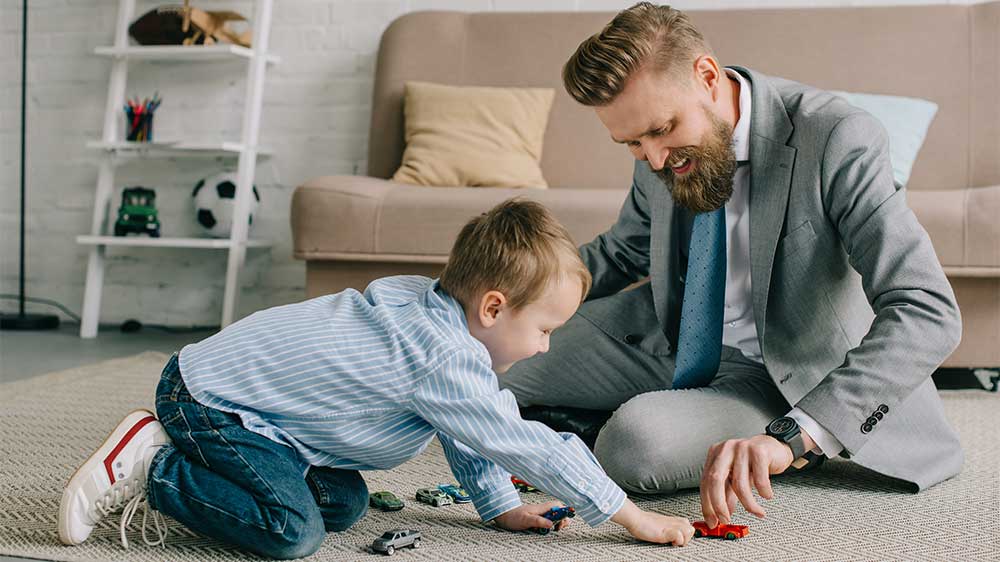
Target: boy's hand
653	527
529	516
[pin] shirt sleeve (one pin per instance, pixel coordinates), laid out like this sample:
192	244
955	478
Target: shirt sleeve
488	485
827	443
461	399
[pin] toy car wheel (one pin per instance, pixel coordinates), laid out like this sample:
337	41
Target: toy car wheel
731	536
390	550
698	533
119	230
416	543
543	531
154	233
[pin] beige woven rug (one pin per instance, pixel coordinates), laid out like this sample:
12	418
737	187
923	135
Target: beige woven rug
49	424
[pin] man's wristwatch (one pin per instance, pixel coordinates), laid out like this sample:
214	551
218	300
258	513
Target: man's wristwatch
786	430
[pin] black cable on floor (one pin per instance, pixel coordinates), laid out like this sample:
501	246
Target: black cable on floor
65	310
127	326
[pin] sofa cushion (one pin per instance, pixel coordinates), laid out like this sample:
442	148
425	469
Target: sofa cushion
335	216
474	136
964	224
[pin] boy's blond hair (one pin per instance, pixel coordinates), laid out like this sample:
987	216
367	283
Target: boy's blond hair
516	248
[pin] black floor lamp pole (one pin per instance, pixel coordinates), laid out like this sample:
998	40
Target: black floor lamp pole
21	320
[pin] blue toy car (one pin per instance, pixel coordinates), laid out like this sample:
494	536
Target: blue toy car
555	515
455	493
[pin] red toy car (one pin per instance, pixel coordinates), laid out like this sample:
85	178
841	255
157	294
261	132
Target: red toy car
521	485
730	532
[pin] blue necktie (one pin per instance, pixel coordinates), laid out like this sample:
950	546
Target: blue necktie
700	340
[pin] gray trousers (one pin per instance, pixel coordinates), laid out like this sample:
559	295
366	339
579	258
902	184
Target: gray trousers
657	439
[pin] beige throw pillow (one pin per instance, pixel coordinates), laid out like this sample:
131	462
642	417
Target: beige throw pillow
474	136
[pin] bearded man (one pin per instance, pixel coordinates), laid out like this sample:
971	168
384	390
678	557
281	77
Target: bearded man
795	308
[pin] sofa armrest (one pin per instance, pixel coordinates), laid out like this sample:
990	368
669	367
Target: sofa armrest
964	226
336	209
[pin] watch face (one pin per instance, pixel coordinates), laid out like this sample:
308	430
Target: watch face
781	426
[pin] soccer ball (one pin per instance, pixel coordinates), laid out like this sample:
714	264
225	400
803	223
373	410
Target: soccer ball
214	199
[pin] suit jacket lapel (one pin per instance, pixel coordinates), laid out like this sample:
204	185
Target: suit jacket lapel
771	161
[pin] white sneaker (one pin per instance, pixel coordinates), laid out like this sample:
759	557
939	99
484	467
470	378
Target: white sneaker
115	475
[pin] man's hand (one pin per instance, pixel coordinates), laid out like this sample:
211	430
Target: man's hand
653	527
730	469
529	516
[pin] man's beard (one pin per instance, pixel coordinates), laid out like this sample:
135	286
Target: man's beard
709	185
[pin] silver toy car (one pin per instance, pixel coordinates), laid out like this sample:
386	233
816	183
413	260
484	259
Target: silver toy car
396	538
433	496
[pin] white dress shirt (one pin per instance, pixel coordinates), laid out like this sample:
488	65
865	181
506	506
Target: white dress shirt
739	329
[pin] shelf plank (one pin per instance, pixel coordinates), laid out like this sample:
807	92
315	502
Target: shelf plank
182	53
146	241
194	148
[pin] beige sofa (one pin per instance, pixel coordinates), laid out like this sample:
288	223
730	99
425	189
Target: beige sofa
351	229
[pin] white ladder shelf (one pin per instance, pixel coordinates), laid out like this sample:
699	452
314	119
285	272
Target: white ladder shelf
114	150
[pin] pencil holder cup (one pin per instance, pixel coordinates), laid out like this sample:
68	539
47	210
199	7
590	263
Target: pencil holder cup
139	128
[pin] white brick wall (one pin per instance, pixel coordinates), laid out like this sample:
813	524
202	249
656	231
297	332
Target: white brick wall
315	117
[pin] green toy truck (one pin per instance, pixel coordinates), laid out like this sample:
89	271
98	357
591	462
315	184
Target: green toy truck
137	213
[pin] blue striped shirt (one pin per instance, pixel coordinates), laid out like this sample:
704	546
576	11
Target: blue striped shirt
365	381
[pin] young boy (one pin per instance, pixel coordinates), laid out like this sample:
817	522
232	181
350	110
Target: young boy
264	427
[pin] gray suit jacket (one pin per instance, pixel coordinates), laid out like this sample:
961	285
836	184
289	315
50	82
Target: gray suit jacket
852	307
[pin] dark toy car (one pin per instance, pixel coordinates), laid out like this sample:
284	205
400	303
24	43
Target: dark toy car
386	501
521	485
433	496
555	515
457	494
395	539
730	532
137	213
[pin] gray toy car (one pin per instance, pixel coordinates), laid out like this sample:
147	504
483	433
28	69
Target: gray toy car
433	496
395	539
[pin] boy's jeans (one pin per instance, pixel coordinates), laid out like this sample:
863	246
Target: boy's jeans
229	483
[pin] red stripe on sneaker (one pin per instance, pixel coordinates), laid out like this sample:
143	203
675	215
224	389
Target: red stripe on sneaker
124	441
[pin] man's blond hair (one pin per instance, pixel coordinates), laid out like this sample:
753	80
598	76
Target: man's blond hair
645	34
516	248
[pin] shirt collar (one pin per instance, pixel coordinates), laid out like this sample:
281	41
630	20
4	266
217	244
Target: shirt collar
741	133
437	298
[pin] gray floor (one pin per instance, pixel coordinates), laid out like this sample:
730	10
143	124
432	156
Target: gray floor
27	354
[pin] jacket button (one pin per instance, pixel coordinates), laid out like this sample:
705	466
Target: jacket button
631	339
883	408
878	414
872	420
866	428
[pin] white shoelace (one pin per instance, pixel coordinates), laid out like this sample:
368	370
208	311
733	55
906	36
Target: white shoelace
117	496
159	523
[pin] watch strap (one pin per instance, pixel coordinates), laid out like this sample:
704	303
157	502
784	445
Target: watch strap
809	458
797	444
